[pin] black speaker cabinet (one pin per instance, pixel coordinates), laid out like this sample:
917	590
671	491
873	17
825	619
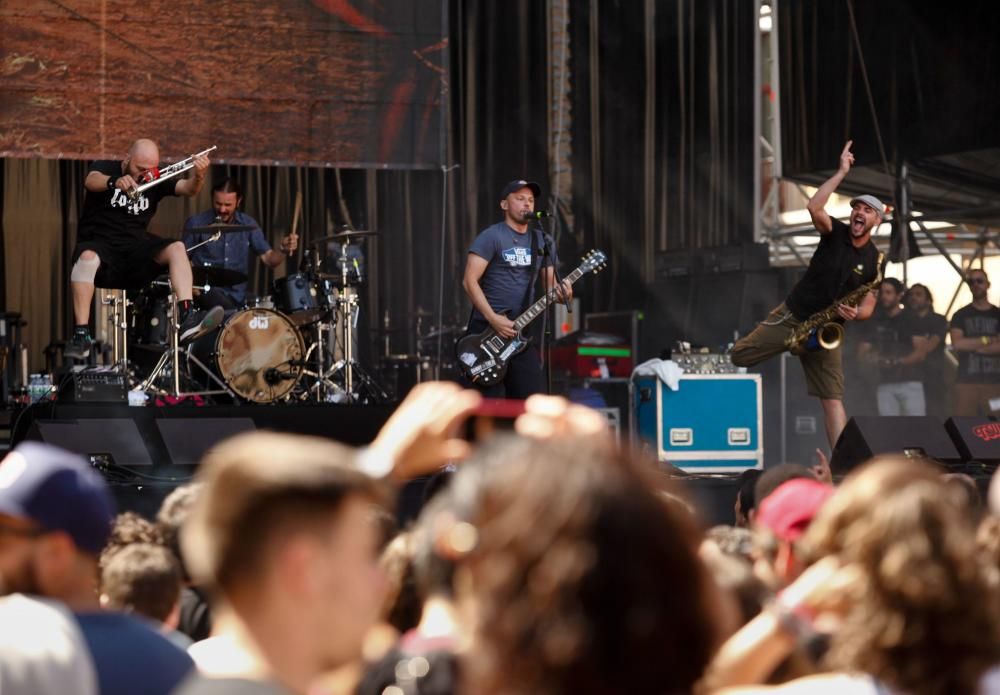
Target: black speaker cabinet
976	438
869	436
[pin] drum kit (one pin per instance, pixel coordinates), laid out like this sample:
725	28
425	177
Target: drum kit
297	344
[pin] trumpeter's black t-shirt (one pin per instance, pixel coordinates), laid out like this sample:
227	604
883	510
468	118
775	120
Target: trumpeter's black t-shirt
111	214
836	268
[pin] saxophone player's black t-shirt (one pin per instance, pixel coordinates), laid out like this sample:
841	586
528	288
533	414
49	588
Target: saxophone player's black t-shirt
836	268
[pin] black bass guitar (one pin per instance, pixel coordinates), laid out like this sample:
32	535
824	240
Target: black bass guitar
483	357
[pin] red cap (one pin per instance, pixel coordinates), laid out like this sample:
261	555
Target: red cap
788	511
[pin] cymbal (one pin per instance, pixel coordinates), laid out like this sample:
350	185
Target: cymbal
218	276
345	235
222	227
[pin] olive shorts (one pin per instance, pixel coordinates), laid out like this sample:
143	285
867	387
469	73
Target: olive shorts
823	370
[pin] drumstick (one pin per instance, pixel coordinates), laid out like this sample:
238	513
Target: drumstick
296	215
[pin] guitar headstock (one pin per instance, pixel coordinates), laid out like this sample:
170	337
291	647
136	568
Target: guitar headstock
594	262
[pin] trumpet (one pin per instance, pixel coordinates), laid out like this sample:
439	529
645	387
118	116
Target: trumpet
155	177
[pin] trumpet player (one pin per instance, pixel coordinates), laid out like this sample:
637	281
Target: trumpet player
114	249
845	260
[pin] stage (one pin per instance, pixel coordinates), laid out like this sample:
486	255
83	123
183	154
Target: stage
144	452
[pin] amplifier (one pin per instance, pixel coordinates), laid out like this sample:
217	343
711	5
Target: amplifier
97	387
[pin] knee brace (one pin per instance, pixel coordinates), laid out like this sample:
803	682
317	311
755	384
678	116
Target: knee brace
85	270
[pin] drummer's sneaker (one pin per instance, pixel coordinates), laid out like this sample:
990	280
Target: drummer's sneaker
78	346
198	323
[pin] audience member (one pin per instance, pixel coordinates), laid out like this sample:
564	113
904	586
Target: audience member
896	581
56	514
144	579
975	337
42	649
773	478
283	534
195	615
896	342
577	575
784	516
746	501
424	659
920	303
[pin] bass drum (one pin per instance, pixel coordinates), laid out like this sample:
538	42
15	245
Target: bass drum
257	353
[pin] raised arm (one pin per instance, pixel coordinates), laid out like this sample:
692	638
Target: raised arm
820	218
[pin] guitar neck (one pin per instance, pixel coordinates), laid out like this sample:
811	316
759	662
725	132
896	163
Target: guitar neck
533	311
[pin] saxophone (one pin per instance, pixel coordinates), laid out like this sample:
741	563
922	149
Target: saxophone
822	330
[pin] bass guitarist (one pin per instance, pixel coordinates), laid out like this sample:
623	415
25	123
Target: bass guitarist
500	271
844	260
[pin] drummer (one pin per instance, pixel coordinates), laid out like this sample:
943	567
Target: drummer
232	250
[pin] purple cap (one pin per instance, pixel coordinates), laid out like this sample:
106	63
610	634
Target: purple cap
59	491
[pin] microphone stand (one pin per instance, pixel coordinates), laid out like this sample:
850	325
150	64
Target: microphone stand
546	325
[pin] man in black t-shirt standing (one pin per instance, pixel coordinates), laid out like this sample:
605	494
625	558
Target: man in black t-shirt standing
975	337
500	271
919	303
845	259
114	250
894	341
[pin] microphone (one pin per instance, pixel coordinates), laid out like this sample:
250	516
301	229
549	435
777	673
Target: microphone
273	376
537	215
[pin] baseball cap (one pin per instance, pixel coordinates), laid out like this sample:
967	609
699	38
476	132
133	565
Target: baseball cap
788	511
517	185
872	202
59	491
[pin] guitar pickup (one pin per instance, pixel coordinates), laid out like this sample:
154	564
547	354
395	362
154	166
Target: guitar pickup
496	342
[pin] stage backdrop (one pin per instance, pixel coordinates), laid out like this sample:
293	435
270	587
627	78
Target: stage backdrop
307	82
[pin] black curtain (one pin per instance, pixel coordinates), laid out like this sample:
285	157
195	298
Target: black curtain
663	133
932	70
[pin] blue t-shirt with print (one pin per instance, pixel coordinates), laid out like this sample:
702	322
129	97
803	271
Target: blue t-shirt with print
509	280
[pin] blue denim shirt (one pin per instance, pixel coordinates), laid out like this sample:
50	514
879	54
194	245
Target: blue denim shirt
231	251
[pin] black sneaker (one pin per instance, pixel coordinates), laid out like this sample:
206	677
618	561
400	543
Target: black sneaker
199	323
78	346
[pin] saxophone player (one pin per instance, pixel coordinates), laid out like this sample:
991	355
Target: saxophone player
845	260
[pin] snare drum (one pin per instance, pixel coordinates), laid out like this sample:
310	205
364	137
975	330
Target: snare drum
257	353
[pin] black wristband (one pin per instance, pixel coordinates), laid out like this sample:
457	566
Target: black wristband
112	180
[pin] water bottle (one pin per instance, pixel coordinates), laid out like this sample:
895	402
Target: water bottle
39	386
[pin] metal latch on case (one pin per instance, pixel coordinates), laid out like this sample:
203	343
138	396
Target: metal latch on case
681	436
739	436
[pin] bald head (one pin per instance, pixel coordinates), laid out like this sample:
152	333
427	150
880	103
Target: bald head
144	154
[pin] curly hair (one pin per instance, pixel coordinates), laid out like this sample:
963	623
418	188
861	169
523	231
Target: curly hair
582	578
129	528
926	621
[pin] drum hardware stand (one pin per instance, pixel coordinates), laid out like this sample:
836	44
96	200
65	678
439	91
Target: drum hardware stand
171	356
350	309
119	328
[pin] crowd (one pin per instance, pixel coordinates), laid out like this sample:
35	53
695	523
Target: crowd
546	559
901	353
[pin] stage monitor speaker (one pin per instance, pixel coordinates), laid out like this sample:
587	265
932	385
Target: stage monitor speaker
115	440
868	436
187	439
976	438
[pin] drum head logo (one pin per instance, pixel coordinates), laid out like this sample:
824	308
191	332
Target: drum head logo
258	323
